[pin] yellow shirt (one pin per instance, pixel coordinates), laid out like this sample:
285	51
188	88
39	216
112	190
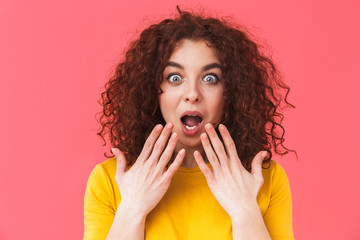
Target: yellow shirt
188	210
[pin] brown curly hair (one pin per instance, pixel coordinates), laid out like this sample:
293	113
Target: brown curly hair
254	93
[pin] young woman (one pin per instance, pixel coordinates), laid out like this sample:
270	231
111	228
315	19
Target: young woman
192	112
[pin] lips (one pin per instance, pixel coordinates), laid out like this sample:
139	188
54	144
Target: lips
191	122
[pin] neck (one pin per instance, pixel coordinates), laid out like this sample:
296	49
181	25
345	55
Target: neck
189	159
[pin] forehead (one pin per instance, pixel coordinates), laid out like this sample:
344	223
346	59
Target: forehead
197	52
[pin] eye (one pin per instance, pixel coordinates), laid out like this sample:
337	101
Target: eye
211	78
174	78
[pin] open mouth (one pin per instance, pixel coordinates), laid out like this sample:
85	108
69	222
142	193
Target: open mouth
190	122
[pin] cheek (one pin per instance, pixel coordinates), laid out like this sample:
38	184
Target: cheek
162	104
218	104
167	105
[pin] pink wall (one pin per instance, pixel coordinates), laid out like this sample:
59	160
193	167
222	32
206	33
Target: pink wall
55	57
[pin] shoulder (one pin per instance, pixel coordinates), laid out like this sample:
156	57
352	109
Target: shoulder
275	201
276	182
104	169
273	171
103	175
108	165
100	200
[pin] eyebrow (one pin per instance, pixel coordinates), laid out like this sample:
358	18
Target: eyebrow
205	68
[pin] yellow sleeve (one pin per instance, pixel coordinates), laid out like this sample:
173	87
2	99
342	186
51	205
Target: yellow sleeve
278	216
99	205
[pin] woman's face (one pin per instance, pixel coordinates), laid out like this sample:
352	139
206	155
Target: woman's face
192	90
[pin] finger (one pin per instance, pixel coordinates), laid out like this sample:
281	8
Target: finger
256	165
165	157
149	143
210	178
160	143
175	165
211	156
120	162
216	143
229	143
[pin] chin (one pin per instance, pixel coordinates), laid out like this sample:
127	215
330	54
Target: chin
194	142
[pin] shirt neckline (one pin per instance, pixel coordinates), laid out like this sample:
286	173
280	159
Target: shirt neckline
193	169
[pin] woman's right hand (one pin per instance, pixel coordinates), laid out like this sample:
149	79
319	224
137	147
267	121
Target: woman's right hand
146	182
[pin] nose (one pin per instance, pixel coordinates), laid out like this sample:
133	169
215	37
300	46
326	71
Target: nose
192	92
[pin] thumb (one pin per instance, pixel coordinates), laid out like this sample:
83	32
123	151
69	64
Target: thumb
120	162
256	166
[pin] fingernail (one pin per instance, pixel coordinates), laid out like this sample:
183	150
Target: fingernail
174	136
112	150
169	125
208	126
196	153
263	154
203	136
182	151
158	127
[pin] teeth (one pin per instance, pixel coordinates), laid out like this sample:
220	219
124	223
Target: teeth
190	128
193	127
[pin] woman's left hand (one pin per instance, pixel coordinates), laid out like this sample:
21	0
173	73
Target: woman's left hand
233	186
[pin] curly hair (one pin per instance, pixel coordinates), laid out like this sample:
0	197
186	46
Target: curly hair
254	93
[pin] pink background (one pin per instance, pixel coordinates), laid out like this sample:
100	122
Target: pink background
55	57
